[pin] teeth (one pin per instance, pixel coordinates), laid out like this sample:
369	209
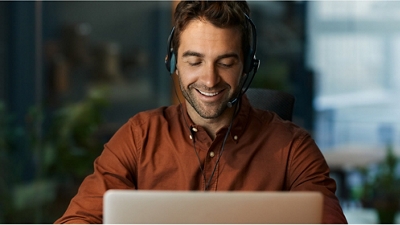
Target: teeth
208	94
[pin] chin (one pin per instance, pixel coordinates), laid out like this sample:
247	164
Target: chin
213	113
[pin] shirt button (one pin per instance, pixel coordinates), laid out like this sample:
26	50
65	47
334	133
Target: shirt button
194	129
235	137
212	154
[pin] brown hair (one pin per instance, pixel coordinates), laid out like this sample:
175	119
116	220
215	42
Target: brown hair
223	14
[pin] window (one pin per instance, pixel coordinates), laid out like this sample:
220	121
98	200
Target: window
354	49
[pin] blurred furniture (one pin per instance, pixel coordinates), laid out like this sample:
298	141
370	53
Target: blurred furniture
273	100
363	216
353	156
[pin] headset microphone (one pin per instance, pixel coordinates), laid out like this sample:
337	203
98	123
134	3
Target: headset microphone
231	103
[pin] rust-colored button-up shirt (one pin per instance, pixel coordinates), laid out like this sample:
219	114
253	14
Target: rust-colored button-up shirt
162	149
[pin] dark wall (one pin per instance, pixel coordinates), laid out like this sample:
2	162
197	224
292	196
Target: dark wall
281	29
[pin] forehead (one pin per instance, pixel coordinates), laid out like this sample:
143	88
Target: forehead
202	36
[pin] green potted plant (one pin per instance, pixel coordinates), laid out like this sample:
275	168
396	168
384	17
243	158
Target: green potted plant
381	189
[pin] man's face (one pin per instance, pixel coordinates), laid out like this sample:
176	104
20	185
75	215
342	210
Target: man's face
209	66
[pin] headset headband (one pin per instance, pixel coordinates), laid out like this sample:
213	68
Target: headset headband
250	61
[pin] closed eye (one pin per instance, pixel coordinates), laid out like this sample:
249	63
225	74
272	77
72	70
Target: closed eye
227	65
194	63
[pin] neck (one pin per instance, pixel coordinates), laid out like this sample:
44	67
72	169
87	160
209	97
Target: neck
213	125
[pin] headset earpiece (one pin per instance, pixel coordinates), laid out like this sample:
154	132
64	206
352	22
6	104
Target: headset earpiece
170	59
172	63
250	62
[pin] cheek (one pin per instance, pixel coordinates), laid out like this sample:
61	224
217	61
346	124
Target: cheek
188	75
185	78
233	79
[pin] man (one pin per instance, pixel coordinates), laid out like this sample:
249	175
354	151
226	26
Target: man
214	141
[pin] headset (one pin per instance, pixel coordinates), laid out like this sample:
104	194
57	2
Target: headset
251	63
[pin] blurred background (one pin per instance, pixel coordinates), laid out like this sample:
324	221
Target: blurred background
71	73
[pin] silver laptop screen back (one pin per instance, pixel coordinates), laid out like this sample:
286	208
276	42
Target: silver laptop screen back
155	207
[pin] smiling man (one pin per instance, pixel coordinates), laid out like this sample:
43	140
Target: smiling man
214	140
210	65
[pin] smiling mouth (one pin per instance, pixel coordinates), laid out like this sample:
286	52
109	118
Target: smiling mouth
208	94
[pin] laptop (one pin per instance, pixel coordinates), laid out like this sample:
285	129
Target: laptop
197	207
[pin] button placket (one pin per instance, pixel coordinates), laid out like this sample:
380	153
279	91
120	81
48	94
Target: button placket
193	130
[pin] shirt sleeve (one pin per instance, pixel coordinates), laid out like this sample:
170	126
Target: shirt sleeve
308	171
115	168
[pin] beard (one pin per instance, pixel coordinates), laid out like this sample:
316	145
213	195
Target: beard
210	110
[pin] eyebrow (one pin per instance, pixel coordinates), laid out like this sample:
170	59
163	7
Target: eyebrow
200	55
191	53
228	55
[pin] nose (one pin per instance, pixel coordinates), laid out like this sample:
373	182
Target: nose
210	76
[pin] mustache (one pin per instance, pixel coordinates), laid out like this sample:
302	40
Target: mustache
202	87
